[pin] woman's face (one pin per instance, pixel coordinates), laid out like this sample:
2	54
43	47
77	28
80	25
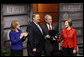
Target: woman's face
18	26
66	24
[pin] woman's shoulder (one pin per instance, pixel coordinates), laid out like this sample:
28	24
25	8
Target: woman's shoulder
19	30
63	29
11	32
74	29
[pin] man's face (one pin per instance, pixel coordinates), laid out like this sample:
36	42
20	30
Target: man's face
49	20
37	18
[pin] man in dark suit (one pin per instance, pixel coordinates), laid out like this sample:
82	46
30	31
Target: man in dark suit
35	43
49	47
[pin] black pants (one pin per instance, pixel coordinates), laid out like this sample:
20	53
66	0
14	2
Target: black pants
48	47
16	52
51	46
31	53
67	51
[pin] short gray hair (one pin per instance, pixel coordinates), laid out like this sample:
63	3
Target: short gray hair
46	16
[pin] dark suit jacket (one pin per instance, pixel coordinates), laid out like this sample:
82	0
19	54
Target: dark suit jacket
35	38
45	28
49	46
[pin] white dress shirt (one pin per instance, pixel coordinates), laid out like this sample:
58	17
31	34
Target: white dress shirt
48	26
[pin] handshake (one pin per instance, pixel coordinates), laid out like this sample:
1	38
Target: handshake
24	34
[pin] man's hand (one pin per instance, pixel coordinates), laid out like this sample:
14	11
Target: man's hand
34	50
54	39
47	36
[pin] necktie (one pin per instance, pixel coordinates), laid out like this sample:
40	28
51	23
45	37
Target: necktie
50	28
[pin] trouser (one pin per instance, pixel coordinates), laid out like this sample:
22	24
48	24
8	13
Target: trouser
16	52
51	46
31	53
67	51
48	47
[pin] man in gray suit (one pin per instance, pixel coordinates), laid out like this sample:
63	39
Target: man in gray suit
48	26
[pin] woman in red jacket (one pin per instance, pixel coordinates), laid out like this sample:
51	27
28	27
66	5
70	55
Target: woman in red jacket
69	37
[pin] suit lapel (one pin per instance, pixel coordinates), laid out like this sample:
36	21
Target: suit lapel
52	26
46	27
34	25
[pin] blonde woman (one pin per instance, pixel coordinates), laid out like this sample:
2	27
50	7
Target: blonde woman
16	37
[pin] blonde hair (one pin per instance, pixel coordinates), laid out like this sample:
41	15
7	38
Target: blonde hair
14	23
69	21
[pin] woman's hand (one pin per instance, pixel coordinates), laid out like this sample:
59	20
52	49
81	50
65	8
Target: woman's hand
74	51
22	34
25	34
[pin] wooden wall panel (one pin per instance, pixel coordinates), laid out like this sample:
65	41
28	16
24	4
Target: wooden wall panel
54	17
47	7
43	9
15	9
34	8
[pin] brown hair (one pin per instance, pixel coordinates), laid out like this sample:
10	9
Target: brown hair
69	21
35	15
14	23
